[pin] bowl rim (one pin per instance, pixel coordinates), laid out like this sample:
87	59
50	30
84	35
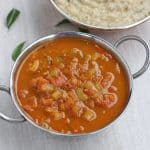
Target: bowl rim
96	27
51	37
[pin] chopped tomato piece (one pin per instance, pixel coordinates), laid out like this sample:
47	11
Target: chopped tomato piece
98	100
113	88
108	80
57	78
109	100
58	81
97	79
41	84
91	93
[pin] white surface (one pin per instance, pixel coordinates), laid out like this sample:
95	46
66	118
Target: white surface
131	132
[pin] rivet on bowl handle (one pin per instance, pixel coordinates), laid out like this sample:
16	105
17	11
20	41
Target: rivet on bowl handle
147	60
6	118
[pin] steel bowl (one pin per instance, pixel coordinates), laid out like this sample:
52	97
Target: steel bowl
95	28
106	45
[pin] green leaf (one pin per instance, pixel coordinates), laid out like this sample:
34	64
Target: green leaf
11	17
83	30
17	51
64	21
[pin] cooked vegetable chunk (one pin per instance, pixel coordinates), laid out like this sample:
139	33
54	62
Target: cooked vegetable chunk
89	114
34	66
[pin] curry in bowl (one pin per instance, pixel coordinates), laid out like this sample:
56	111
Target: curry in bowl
71	85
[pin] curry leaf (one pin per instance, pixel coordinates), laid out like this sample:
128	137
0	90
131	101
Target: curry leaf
64	21
11	17
83	30
17	51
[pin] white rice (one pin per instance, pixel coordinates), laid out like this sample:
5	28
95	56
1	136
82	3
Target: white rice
105	13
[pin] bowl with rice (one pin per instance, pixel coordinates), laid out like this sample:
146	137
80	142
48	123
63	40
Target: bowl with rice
104	14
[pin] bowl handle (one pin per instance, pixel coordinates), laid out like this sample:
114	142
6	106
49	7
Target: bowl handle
6	118
147	60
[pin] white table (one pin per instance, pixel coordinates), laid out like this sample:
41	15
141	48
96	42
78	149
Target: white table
37	19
